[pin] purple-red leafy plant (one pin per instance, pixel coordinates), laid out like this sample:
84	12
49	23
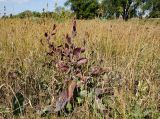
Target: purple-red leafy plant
70	66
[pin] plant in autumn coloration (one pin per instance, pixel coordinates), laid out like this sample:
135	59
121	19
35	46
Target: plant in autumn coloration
74	71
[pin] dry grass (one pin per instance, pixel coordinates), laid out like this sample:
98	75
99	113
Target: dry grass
131	48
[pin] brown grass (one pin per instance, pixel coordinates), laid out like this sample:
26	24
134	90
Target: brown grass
131	48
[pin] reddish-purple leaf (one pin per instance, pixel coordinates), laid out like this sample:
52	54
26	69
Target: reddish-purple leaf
82	50
62	66
82	61
66	52
77	52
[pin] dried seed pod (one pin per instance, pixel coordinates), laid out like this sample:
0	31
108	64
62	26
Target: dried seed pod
54	27
53	31
68	38
74	30
66	46
46	34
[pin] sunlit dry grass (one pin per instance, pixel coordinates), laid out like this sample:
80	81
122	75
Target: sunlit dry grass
130	48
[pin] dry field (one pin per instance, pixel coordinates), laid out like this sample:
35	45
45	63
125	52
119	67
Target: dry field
131	50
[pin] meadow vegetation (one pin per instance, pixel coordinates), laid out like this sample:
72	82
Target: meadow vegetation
129	51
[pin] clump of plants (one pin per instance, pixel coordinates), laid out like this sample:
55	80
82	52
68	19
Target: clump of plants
77	78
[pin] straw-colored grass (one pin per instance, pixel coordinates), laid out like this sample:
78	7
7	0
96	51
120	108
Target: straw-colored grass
131	48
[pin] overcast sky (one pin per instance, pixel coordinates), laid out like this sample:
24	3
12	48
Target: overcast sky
17	6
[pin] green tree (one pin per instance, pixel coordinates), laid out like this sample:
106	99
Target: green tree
153	6
36	14
84	8
126	8
25	14
111	8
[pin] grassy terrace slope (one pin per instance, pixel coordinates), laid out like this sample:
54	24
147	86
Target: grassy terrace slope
131	49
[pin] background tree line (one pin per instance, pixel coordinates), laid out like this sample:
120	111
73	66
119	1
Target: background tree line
88	9
59	13
115	8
